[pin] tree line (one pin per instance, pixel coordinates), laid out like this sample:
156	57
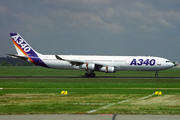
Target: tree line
9	61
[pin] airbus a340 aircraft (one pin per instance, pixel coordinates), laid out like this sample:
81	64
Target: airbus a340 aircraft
107	64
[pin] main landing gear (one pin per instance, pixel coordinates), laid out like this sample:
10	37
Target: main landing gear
156	75
91	74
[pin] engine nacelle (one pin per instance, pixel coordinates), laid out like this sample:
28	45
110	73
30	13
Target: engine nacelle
107	69
87	66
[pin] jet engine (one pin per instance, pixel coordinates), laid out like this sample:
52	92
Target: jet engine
87	66
107	69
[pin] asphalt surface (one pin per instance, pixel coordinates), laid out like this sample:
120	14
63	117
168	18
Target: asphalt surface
89	117
83	77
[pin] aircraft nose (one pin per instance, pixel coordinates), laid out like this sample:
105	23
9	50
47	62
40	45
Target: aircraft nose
171	64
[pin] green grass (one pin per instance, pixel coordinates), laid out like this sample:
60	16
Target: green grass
1	93
89	83
90	91
42	96
40	71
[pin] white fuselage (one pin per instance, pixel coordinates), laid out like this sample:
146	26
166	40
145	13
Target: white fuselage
126	63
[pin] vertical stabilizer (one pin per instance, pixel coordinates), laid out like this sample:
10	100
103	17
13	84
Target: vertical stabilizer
25	51
22	47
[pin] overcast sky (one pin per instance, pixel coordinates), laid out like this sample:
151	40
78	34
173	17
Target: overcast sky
93	27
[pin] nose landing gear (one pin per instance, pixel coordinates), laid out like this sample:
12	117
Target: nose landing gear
156	75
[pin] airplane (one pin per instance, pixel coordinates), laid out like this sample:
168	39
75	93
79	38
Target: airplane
88	63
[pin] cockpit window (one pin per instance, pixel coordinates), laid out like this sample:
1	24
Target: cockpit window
167	61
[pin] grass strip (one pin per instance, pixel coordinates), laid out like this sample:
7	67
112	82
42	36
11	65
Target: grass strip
90	91
40	71
89	83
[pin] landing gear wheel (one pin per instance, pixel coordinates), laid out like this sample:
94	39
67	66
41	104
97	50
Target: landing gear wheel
89	74
156	75
86	75
93	74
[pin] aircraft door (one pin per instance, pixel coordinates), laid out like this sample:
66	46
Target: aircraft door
158	62
127	61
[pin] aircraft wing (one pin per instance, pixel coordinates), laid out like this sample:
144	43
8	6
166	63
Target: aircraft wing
73	62
80	62
19	56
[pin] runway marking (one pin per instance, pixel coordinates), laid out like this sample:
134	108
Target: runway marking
146	97
111	104
104	107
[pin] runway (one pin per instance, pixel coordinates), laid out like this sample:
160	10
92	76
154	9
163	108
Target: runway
126	77
89	117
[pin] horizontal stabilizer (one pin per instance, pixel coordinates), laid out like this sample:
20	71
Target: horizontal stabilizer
25	58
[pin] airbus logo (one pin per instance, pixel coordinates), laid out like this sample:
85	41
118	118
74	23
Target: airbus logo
140	62
21	43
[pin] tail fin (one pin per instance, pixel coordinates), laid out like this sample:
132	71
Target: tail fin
25	51
22	47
